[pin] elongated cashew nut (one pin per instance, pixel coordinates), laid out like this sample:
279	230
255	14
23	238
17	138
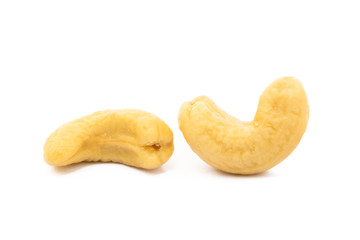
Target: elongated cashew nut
131	137
234	146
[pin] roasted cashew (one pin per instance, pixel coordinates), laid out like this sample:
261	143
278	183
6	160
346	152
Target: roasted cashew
131	137
234	146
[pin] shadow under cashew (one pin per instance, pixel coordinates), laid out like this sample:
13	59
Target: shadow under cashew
218	172
70	168
77	166
155	171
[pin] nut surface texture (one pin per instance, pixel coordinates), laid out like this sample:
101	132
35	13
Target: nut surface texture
131	137
234	146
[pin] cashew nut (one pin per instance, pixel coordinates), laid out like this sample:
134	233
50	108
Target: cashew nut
131	137
234	146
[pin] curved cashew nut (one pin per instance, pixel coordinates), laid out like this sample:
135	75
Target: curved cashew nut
234	146
131	137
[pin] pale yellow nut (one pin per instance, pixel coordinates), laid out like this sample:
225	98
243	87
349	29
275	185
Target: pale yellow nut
234	146
131	137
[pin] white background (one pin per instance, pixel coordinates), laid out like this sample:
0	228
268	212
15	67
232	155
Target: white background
60	60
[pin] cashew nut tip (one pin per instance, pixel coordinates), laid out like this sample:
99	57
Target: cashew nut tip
132	137
239	147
